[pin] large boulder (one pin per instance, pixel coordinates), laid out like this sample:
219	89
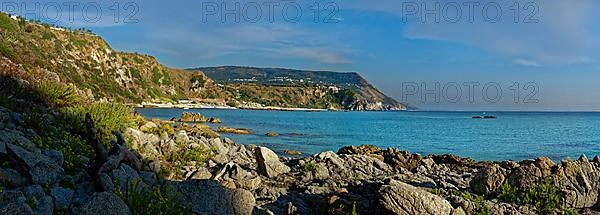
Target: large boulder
62	197
181	137
105	203
149	127
402	159
369	150
42	169
360	150
400	198
140	140
209	197
14	202
531	173
488	180
268	163
124	175
192	117
12	178
44	206
579	181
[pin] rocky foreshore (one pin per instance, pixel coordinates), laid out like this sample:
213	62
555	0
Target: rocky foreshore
249	179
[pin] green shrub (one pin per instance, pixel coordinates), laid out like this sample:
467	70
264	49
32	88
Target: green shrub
74	148
156	75
107	117
135	73
183	157
545	197
78	42
57	95
199	79
166	78
309	167
354	209
47	35
138	60
151	201
480	207
7	51
508	193
568	211
163	128
198	154
232	103
7	23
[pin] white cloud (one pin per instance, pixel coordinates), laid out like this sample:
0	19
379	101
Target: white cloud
528	63
317	54
274	40
562	35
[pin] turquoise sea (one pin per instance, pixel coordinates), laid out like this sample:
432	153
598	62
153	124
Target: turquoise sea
513	135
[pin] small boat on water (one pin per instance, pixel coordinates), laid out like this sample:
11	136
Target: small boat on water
484	116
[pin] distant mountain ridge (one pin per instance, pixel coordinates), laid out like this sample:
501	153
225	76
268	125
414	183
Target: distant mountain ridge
281	75
349	89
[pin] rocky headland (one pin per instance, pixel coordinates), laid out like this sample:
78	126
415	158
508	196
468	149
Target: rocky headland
195	171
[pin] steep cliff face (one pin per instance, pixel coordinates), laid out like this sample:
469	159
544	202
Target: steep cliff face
315	89
98	72
88	62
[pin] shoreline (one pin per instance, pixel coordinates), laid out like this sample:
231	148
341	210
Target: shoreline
374	180
216	175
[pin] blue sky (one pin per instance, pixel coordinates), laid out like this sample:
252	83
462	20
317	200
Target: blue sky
553	43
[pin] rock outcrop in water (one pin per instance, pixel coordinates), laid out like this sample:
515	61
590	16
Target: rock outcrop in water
247	179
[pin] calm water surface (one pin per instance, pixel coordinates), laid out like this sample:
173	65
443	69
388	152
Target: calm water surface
514	135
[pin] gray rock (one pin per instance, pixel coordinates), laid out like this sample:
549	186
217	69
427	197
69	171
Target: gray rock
218	146
531	173
220	158
209	197
14	202
17	209
106	182
125	175
12	178
148	177
42	169
249	183
56	156
181	137
579	182
148	127
268	163
140	139
237	173
488	180
226	140
34	191
201	173
15	137
62	197
82	193
44	206
105	203
30	159
321	172
401	198
428	163
168	148
46	172
331	158
2	148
